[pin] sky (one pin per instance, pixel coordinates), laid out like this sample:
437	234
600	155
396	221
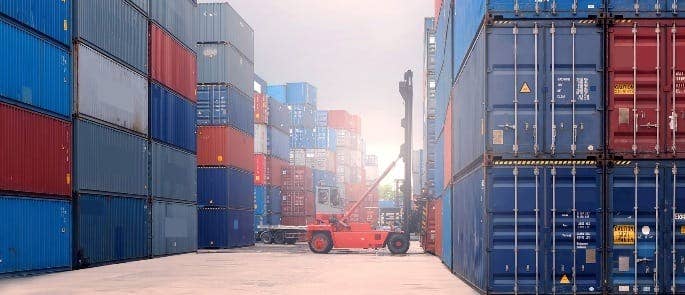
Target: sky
354	51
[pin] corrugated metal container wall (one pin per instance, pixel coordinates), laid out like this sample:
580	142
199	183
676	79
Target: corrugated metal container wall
274	200
172	64
444	70
36	72
115	27
174	174
225	105
278	143
111	229
277	92
260	169
323	178
243	227
444	239
222	63
36	153
261	107
645	230
109	160
321	119
279	115
260	195
36	235
144	5
325	138
260	146
179	17
50	18
301	138
174	228
221	146
225	228
582	9
339	119
301	93
110	92
297	178
260	85
644	9
173	118
225	187
447	148
644	75
220	22
274	171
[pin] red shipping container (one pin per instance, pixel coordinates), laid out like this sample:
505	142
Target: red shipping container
224	146
259	169
447	147
298	178
172	64
298	202
437	204
356	124
438	6
261	114
274	173
298	220
36	153
645	102
339	119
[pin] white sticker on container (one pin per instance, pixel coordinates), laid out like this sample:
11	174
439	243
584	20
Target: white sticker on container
623	289
591	6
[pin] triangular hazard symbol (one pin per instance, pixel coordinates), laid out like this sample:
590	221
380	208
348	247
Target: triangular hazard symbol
525	88
564	280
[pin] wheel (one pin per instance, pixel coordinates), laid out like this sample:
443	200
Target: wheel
279	237
321	243
266	237
398	244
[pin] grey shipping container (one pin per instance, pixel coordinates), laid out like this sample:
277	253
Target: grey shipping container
115	27
109	160
110	92
142	4
174	173
220	22
174	228
178	17
222	63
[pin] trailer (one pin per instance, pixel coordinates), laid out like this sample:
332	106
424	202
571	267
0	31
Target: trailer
280	234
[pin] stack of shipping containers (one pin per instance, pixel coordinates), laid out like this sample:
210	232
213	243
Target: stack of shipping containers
225	133
35	137
271	151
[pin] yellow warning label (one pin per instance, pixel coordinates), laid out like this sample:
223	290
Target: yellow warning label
65	25
564	280
68	178
682	229
624	88
525	88
624	235
220	158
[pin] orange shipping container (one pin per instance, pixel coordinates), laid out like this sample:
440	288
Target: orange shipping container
224	146
339	119
438	226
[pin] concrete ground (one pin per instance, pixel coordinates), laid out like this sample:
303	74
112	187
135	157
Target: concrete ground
262	269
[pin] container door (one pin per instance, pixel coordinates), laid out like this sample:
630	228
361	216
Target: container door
514	200
513	90
574	61
635	255
674	228
674	115
645	8
636	56
574	246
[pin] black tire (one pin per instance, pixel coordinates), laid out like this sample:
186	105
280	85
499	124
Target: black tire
398	244
279	237
321	243
266	237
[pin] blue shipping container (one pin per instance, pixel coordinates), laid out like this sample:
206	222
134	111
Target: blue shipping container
225	187
173	173
530	228
36	235
645	230
644	9
225	228
446	226
325	138
443	63
277	92
173	118
302	116
174	228
35	72
260	195
324	178
277	143
52	18
225	106
279	115
301	138
321	119
301	93
111	229
274	200
534	9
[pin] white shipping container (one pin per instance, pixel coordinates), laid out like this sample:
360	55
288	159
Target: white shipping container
321	159
298	157
110	92
260	139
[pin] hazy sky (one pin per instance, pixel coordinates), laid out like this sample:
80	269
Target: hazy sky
354	51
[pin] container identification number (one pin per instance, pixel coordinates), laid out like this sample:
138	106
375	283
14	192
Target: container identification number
624	88
624	235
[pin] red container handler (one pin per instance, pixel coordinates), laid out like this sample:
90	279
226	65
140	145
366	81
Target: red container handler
224	146
261	107
298	178
36	153
645	103
172	64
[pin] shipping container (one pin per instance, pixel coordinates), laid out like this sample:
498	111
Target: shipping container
268	219
260	85
220	22
36	235
447	149
260	195
225	228
268	170
439	233
323	178
524	121
301	138
110	229
279	115
277	92
297	220
277	143
173	118
302	116
644	91
645	196
325	138
115	27
221	63
267	199
144	5
225	187
328	199
171	64
297	177
109	160
339	119
36	153
226	106
36	73
174	228
444	229
529	227
320	159
445	68
260	139
261	108
109	91
322	119
620	9
301	93
224	146
50	18
174	173
179	17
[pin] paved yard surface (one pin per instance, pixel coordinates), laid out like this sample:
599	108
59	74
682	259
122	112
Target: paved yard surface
263	269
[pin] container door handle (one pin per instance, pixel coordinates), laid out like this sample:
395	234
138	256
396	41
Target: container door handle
657	7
